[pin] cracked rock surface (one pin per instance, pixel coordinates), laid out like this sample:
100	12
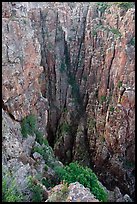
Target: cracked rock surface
73	66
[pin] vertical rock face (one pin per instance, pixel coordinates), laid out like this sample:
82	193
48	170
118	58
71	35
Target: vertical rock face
73	65
21	59
111	102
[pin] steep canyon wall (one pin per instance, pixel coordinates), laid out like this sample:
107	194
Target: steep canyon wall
73	65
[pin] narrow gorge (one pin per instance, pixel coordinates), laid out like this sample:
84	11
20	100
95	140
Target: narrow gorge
72	66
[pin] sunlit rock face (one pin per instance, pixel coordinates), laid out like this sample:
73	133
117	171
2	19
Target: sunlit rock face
73	65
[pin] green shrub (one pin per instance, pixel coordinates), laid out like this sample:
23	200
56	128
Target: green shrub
39	137
124	5
65	110
10	191
111	109
37	191
116	32
40	150
48	182
132	41
103	99
45	141
64	127
62	67
28	125
46	167
47	153
129	164
94	32
119	84
84	175
71	80
102	6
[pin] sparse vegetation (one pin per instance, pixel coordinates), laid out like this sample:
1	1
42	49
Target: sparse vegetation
70	38
132	41
64	188
47	153
129	164
39	137
91	123
44	151
84	77
50	46
25	21
116	32
102	6
119	84
62	67
37	191
102	138
10	191
45	142
103	99
65	127
39	150
111	109
65	110
61	195
48	182
124	5
46	167
94	32
58	38
28	125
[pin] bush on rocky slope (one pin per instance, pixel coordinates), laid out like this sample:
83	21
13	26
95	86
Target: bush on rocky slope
10	191
84	175
28	125
70	173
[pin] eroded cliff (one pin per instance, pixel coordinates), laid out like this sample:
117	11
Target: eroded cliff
73	65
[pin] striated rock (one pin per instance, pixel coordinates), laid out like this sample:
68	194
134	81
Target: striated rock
21	64
70	61
80	151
